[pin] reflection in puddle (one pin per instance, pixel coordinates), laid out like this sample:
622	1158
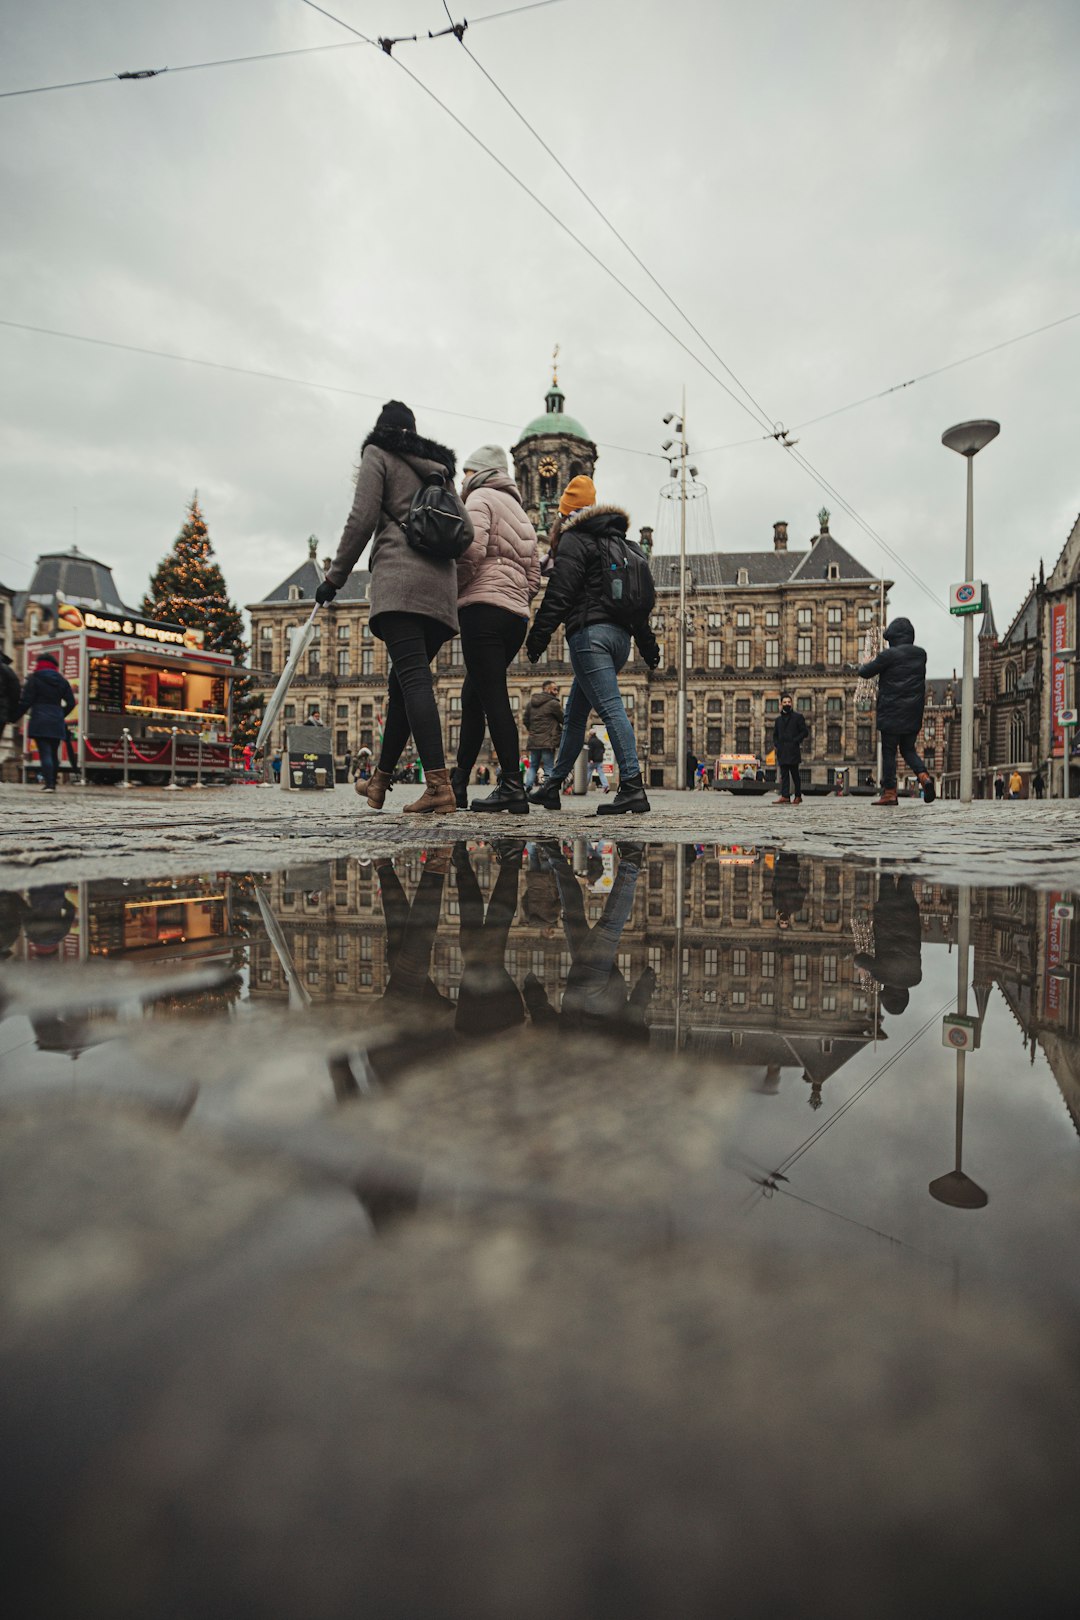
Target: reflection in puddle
886	1052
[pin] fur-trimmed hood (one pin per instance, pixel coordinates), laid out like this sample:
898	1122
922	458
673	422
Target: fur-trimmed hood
583	519
400	442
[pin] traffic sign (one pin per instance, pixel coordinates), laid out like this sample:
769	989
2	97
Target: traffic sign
960	1034
1067	717
966	597
1063	911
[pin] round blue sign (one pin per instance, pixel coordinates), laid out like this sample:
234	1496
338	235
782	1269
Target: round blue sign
965	593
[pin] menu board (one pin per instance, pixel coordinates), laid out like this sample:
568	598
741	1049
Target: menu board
106	686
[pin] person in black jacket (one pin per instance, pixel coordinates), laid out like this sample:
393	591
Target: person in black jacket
901	671
49	700
790	731
598	643
9	692
897	960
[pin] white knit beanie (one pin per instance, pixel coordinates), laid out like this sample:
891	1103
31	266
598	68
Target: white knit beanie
489	458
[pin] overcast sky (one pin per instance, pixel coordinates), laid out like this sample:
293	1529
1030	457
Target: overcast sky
841	195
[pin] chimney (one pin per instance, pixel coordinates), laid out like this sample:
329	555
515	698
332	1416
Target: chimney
779	536
647	541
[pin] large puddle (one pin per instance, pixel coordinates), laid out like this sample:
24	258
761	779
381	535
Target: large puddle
831	1057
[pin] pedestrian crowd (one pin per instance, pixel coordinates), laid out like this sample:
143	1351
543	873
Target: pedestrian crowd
442	566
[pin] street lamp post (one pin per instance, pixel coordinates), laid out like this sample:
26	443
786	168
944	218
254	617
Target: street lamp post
684	494
967	439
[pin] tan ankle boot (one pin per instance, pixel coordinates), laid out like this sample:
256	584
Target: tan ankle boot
437	798
379	785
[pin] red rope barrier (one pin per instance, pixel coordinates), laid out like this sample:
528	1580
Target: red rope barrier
150	759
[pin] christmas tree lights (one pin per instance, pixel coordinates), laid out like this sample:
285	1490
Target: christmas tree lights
188	588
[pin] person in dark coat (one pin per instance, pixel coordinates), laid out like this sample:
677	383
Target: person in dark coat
578	595
48	699
1038	782
901	676
788	889
897	960
543	722
790	731
9	692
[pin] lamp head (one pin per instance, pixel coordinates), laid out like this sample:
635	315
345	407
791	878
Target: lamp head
669	418
667	444
968	438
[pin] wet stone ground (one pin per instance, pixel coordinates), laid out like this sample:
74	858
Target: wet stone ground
562	1227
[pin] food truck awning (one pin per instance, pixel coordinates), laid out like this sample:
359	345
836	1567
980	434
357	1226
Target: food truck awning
190	661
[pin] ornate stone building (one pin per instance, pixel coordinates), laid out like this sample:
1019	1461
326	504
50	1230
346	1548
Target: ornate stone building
553	449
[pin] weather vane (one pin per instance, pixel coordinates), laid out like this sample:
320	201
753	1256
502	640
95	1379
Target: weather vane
555	366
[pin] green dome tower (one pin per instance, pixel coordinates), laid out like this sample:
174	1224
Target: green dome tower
552	449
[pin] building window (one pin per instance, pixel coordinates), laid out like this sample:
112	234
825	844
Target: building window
772	705
835	615
742	655
313	661
800	967
343	661
742	620
738	963
367	660
834	705
805	616
342	713
656	706
266	661
716	654
294	593
656	740
689	652
289	711
714	742
772	655
863	743
341	742
343	632
772	619
742	705
832	649
742	739
804	704
716	621
743	577
768	964
866	615
803	646
267	632
832	745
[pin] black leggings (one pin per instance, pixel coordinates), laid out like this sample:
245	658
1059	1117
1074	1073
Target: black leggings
412	640
490	639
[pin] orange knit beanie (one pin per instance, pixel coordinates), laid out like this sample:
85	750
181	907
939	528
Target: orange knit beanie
579	492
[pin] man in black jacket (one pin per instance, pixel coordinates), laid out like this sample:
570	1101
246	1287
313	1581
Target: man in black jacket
591	551
901	671
790	731
9	692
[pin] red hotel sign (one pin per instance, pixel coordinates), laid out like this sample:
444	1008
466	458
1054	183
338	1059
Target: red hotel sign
1052	984
1058	632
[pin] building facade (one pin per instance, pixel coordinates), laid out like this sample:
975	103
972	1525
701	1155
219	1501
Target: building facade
759	622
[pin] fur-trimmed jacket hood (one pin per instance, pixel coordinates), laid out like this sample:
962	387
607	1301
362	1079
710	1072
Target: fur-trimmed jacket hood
401	442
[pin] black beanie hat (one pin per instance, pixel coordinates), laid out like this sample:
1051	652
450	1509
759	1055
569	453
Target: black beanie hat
396	415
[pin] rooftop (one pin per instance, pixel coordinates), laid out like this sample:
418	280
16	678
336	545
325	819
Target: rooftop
73	577
554	420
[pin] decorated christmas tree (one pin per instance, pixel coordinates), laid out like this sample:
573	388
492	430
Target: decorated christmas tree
188	588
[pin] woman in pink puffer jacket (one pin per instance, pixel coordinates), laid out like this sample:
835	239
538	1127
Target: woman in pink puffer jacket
497	579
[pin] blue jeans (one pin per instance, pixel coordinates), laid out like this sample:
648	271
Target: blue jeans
597	654
49	755
538	757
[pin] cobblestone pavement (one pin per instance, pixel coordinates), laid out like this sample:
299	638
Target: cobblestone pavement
99	832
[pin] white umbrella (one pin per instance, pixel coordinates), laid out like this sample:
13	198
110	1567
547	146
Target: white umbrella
301	643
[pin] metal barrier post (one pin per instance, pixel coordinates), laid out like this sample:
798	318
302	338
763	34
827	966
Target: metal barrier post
198	779
125	737
172	786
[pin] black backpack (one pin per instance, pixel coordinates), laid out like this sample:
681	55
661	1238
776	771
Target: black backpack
436	525
627	587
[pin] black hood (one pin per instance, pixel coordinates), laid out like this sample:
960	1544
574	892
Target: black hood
400	442
900	633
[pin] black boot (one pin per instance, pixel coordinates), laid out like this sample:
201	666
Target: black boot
509	795
460	784
630	799
549	795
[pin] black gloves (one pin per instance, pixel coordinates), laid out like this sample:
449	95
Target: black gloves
532	651
325	593
650	651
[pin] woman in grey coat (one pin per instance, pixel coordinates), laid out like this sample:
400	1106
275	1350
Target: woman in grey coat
413	597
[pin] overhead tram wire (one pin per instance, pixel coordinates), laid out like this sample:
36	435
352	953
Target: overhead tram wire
275	376
185	67
758	413
550	212
140	74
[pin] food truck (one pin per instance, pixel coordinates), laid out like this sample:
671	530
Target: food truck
152	703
